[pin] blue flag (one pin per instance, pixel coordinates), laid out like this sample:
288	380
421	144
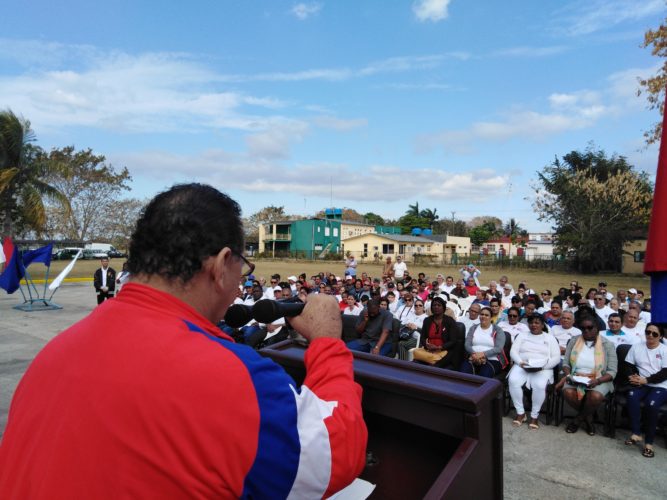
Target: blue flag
10	279
42	255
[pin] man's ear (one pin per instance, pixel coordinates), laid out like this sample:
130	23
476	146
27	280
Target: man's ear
220	267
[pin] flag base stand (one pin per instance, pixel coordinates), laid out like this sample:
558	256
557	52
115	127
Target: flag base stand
31	305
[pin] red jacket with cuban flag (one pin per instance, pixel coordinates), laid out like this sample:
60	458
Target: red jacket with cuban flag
145	398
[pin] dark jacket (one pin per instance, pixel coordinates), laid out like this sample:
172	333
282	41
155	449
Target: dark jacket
449	341
111	279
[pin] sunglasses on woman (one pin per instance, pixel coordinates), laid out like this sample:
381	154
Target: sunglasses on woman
652	333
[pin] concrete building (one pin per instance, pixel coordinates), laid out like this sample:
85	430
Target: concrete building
430	249
633	256
540	246
308	238
313	238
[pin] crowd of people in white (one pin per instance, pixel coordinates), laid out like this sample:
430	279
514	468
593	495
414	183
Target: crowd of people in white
535	339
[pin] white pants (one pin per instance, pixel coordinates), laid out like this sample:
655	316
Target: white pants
537	381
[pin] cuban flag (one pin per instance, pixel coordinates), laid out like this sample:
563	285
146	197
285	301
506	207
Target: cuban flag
10	279
655	262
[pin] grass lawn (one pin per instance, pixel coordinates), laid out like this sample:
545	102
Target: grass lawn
536	279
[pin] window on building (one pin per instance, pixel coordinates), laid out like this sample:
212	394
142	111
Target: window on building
365	249
335	232
639	256
388	248
491	247
327	231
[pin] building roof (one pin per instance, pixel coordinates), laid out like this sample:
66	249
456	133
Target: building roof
401	238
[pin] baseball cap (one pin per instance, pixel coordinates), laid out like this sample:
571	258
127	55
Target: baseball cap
248	283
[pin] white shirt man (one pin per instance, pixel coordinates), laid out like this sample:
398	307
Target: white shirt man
615	333
506	299
400	268
448	286
632	325
565	331
601	308
471	317
470	271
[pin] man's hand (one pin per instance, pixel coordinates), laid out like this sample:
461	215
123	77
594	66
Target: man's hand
320	318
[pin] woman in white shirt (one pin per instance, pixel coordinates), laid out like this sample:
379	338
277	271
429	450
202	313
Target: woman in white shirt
484	344
590	365
535	354
649	386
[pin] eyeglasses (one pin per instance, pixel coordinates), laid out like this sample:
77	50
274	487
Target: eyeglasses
652	333
248	267
545	293
512	315
419	305
408	299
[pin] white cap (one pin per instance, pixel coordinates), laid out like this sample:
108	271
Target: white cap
277	289
632	290
291	278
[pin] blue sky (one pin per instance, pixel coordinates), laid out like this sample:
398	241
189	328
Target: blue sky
455	104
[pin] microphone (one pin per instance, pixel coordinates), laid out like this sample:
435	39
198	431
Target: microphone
238	315
267	311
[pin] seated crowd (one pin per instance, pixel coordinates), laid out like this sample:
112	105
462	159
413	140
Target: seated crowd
568	339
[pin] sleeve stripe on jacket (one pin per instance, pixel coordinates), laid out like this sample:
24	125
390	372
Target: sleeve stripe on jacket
275	467
294	452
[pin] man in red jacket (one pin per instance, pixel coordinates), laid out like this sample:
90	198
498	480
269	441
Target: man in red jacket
146	397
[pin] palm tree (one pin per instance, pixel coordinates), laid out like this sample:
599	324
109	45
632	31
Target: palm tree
430	215
513	230
22	175
413	209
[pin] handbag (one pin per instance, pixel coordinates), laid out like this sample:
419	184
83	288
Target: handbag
405	333
431	358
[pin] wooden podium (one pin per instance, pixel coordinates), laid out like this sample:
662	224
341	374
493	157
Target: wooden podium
432	433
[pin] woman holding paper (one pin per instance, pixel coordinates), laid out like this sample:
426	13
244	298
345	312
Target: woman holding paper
535	354
590	365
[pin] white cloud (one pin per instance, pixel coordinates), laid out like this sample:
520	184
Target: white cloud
567	112
149	92
251	174
584	18
274	143
525	51
303	11
332	122
430	10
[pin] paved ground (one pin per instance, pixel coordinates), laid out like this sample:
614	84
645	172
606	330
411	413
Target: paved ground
547	463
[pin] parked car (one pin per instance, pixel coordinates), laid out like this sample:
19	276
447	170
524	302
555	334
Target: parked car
116	254
66	253
89	254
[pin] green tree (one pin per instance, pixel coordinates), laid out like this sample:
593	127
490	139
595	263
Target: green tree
91	186
24	184
430	215
480	234
410	221
263	216
596	204
453	227
654	87
414	209
514	231
373	219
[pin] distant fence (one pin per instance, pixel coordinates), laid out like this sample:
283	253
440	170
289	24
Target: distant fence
535	261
